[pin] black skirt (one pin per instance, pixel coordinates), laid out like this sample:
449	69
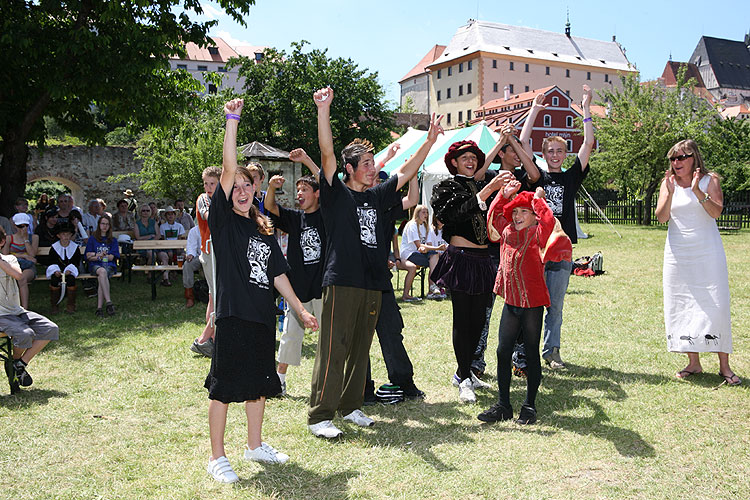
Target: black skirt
243	367
467	270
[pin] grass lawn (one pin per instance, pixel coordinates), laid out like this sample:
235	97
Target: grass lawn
118	411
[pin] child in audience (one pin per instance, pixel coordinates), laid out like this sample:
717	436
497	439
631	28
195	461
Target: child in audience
65	257
102	252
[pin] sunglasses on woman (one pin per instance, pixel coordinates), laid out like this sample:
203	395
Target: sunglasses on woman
680	157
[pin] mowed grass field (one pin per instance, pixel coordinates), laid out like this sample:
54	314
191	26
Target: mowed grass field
118	411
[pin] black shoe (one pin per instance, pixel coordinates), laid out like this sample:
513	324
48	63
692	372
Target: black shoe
370	400
527	415
414	394
99	313
496	413
24	379
110	308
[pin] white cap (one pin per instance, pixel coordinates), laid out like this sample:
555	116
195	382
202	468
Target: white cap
21	218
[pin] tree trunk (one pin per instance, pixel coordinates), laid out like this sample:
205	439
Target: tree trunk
647	203
13	177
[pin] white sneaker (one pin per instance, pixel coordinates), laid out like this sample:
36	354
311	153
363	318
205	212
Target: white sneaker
221	470
360	419
466	391
478	384
325	429
455	380
265	453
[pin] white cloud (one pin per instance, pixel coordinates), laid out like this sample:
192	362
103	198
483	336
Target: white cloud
233	42
210	11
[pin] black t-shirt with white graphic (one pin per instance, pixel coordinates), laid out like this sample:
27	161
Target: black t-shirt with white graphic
354	226
305	252
560	189
246	264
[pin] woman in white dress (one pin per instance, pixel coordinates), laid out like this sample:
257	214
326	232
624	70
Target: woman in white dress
696	283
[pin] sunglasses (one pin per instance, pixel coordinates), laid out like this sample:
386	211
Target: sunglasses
680	157
22	225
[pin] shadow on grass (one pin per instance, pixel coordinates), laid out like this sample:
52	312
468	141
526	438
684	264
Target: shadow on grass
27	398
293	481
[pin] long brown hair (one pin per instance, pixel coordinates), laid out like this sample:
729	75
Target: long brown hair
688	146
98	233
263	222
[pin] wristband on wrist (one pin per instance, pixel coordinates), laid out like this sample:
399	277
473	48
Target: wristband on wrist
704	200
232	116
586	120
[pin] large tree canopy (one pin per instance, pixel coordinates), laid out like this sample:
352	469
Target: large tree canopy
60	58
643	122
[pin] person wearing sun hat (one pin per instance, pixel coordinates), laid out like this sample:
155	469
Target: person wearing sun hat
465	268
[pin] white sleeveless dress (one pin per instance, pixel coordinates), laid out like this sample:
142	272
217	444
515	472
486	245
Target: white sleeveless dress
696	282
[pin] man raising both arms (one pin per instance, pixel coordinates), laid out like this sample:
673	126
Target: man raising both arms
354	276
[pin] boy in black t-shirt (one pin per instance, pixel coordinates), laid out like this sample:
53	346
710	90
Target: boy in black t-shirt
560	189
307	239
354	273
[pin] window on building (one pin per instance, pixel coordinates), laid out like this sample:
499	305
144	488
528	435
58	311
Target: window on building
588	75
567	93
568	121
567	73
546	70
511	66
438	95
569	145
439	74
510	87
547	121
258	56
202	68
468	115
555	101
222	69
450	70
526	88
214	51
460	116
606	78
448	93
468	88
527	68
468	66
448	118
211	88
494	64
460	91
182	66
494	87
460	67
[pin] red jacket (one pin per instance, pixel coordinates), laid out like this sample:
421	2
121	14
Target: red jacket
520	277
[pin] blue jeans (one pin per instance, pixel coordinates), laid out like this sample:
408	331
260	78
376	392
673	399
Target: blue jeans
557	275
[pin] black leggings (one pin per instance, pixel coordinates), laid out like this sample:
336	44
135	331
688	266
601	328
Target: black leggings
528	323
469	314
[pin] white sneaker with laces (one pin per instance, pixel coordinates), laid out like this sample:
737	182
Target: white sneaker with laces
265	453
325	429
221	470
360	419
466	391
478	384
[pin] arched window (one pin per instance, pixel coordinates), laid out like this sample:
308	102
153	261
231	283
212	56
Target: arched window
569	144
568	121
547	121
555	101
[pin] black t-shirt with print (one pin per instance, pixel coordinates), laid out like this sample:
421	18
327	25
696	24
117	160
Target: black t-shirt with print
560	189
246	264
354	224
307	238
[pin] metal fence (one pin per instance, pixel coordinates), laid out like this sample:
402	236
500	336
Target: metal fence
629	210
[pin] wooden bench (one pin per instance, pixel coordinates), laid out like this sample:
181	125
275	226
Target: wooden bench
44	251
6	354
156	246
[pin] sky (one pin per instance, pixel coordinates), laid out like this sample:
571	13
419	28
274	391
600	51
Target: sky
390	37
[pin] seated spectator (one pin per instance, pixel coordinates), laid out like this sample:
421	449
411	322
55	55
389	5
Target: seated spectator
22	207
6	225
46	228
170	230
91	217
191	265
65	258
102	252
145	229
64	205
80	236
413	248
42	205
24	249
183	217
103	208
29	332
123	220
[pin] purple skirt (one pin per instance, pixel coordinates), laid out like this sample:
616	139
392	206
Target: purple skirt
467	270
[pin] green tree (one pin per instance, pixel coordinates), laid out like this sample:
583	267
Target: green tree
728	153
643	122
60	58
279	109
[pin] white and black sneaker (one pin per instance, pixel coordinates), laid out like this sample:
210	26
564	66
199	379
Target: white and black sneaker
24	379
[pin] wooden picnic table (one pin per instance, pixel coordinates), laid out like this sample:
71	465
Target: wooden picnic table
155	246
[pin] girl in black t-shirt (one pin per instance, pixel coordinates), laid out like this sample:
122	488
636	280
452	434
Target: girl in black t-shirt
249	264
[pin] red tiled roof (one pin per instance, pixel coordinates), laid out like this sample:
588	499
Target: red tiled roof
419	69
196	53
672	68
